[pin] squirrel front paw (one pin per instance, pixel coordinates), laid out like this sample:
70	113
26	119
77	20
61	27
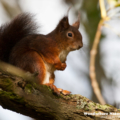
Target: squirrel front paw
61	66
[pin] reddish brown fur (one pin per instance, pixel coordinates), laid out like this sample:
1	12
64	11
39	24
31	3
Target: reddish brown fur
46	53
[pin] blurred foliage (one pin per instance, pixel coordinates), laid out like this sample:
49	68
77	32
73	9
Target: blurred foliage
114	3
93	17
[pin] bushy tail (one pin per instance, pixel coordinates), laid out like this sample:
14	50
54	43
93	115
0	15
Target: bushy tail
13	32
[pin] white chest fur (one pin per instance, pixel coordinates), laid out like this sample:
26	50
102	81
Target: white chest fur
47	77
50	70
63	56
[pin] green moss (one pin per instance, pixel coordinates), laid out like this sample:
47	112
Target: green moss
86	109
28	88
108	105
92	104
11	96
68	97
8	84
46	87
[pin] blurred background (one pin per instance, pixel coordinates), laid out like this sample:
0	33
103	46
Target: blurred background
76	76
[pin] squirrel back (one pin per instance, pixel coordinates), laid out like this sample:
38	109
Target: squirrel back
13	32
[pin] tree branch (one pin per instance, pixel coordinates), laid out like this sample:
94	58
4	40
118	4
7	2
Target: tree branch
39	102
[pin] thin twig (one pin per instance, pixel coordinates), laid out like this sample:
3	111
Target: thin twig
93	53
102	8
111	28
92	64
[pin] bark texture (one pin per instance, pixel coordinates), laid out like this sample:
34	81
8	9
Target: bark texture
24	96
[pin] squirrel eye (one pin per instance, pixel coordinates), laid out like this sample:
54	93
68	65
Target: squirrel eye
70	34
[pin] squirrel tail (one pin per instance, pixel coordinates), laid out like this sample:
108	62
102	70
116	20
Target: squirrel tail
13	32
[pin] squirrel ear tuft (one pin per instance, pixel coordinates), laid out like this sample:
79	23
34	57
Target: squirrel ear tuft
77	23
63	24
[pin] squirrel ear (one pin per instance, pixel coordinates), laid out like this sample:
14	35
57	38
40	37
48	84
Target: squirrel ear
63	24
77	23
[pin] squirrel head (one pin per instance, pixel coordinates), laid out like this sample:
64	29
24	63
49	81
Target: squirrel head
68	36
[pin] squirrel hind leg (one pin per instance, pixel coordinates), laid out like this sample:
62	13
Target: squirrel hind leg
54	88
37	65
51	85
32	62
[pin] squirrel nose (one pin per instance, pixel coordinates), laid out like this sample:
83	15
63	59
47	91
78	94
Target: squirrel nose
81	45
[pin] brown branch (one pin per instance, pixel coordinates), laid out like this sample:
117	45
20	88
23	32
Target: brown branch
94	52
39	102
92	64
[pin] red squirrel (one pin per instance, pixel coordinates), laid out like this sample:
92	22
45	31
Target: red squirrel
21	46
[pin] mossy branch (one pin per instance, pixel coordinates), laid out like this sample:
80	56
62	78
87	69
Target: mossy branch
39	102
